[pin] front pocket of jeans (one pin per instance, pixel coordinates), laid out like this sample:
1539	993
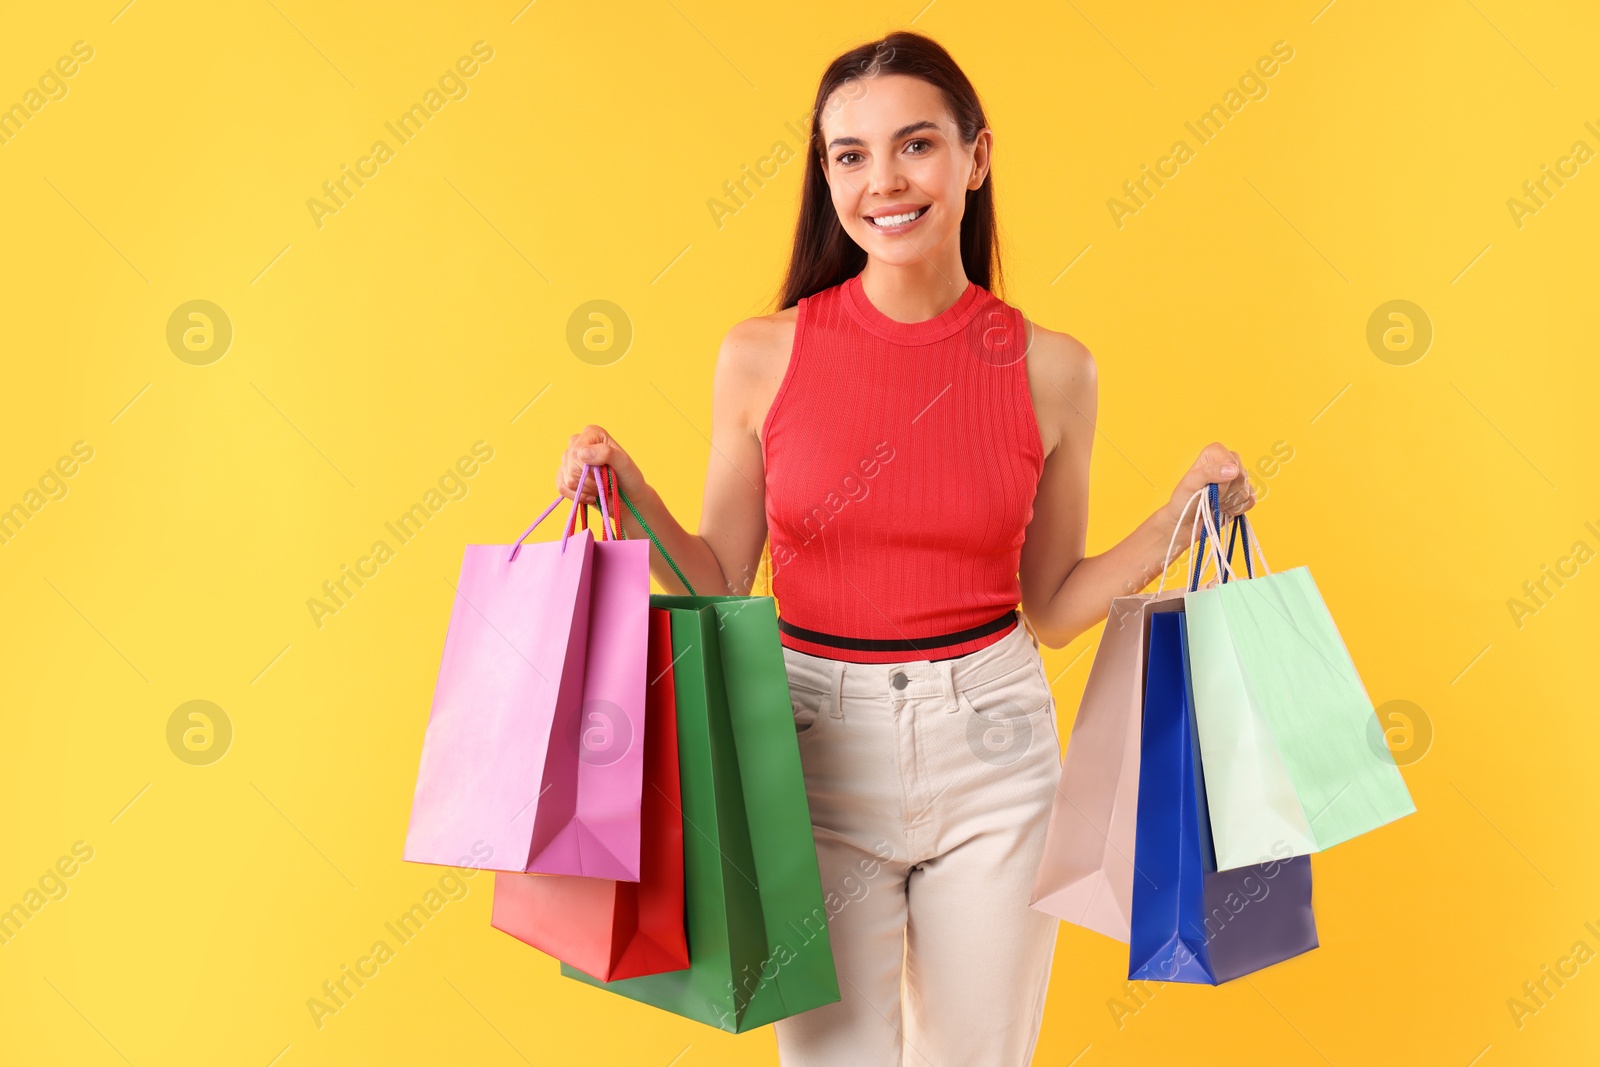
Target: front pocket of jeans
806	703
1009	719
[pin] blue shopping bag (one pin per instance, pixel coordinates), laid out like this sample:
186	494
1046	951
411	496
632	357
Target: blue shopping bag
1191	922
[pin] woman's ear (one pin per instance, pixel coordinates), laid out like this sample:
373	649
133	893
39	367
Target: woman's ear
980	159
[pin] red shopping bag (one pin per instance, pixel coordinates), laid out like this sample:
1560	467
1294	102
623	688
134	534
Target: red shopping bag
615	929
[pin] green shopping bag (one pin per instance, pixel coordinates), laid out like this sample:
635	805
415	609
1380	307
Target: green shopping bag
1285	723
754	912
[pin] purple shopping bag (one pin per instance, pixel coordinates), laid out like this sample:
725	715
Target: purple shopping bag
533	758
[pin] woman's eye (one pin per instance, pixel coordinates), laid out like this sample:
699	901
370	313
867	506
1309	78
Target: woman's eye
843	158
920	141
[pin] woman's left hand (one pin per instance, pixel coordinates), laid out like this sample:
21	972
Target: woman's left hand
1215	464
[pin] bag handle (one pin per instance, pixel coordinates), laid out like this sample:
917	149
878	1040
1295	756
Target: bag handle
616	531
567	531
654	540
1240	522
608	478
582	510
604	476
1208	506
1235	530
1166	561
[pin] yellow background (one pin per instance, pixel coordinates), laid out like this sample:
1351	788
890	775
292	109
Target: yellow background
370	353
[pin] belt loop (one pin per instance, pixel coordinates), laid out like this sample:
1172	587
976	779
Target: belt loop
1033	634
950	701
837	708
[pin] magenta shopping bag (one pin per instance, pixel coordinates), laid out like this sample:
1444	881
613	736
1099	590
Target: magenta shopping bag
533	759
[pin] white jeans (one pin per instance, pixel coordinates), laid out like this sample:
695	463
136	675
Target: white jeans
930	786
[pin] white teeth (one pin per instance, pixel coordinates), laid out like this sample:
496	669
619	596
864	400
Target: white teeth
896	220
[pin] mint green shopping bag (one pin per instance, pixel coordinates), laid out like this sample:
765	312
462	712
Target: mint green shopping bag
1285	723
755	916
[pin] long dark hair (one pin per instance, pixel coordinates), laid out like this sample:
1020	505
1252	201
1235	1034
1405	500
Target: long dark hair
823	254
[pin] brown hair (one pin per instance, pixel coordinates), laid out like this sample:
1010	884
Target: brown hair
823	254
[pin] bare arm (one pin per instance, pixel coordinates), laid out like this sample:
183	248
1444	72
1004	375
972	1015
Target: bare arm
1065	592
721	559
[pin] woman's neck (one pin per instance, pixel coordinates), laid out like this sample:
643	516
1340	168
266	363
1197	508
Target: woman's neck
915	292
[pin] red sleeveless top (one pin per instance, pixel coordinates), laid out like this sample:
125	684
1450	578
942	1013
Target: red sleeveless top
902	459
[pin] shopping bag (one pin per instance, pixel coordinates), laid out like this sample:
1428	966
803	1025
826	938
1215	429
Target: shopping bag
1086	874
1191	922
1284	720
756	920
618	929
531	760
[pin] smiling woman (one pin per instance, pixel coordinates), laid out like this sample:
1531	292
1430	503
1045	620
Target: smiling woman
911	620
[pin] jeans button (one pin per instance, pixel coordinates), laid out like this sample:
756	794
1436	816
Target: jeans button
899	681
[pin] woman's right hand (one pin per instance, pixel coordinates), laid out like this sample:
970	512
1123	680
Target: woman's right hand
593	446
1218	464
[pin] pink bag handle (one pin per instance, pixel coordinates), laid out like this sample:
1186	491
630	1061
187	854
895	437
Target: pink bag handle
605	513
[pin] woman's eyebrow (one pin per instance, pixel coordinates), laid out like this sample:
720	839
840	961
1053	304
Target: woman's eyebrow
901	132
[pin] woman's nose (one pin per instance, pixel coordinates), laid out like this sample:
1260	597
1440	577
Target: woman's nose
884	177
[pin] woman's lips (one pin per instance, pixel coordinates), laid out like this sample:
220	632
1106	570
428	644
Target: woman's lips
902	227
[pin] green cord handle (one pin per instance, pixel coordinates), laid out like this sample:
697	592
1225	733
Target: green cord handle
654	540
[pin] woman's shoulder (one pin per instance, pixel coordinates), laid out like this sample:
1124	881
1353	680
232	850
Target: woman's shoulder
1059	356
752	346
1054	357
759	329
1063	382
753	360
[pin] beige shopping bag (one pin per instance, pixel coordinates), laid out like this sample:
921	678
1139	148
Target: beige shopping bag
1086	875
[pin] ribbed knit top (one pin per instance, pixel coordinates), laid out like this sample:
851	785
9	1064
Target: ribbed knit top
902	459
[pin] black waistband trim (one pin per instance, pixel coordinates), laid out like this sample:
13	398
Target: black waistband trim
920	644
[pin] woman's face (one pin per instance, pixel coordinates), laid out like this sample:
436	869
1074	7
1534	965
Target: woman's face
891	149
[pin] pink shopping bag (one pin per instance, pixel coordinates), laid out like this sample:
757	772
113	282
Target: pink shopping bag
533	758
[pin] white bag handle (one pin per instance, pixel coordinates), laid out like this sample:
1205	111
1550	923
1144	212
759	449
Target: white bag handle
1204	514
1252	542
